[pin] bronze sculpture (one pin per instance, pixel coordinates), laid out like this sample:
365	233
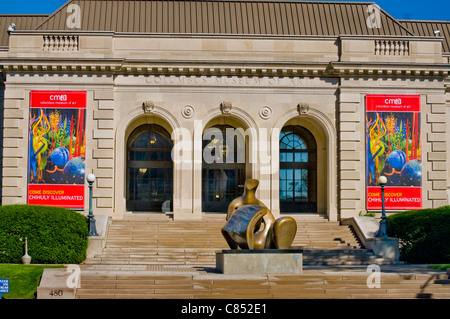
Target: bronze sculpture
251	225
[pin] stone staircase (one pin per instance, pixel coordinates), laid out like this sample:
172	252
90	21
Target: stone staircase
159	240
310	285
154	257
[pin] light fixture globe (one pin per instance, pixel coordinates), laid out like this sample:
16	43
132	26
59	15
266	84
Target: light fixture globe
90	178
382	180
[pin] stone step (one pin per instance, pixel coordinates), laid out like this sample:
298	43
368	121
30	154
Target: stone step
271	286
157	239
310	257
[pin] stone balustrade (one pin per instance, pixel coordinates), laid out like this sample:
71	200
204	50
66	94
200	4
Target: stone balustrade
391	47
64	43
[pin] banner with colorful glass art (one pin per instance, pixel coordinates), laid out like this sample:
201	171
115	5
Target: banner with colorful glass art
393	146
57	146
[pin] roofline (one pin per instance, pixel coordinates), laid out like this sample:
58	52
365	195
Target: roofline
52	14
24	14
224	35
285	1
424	21
395	21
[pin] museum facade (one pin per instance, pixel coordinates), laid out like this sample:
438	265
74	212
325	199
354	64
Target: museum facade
172	105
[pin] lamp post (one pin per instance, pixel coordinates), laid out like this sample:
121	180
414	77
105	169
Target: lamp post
382	232
92	229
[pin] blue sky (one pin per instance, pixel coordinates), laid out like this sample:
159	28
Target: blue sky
399	9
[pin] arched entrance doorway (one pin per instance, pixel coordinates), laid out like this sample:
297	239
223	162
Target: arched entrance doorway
298	170
223	167
149	169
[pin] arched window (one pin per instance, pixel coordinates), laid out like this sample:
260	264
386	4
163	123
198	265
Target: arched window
298	170
223	169
149	169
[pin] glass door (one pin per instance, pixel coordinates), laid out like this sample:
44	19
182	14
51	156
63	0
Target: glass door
149	169
223	178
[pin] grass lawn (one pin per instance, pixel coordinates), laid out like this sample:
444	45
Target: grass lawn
440	267
23	279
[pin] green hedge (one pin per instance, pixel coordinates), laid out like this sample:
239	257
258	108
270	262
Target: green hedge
424	235
55	235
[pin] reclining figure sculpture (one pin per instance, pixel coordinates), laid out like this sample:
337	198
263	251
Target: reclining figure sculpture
251	225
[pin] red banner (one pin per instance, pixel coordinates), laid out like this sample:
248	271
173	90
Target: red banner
69	196
393	150
58	99
395	198
57	147
393	103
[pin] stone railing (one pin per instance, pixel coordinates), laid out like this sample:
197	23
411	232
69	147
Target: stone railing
391	47
61	43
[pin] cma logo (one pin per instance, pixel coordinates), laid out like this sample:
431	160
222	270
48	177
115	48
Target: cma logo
74	19
62	97
393	101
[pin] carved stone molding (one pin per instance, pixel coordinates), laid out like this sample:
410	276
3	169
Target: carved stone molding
148	107
265	112
187	111
118	66
303	108
225	107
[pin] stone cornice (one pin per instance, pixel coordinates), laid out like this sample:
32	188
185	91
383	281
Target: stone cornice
226	68
389	69
193	68
236	68
33	65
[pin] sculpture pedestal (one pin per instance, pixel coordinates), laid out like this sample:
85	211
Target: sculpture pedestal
260	261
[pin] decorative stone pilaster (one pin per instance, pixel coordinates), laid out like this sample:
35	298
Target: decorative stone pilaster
15	137
351	169
103	149
437	157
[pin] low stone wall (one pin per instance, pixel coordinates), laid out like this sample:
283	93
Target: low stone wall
366	228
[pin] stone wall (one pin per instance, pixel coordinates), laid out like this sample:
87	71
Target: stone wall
255	83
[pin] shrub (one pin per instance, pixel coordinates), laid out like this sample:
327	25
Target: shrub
424	235
55	235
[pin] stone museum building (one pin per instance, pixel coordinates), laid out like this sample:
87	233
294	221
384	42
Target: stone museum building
173	104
